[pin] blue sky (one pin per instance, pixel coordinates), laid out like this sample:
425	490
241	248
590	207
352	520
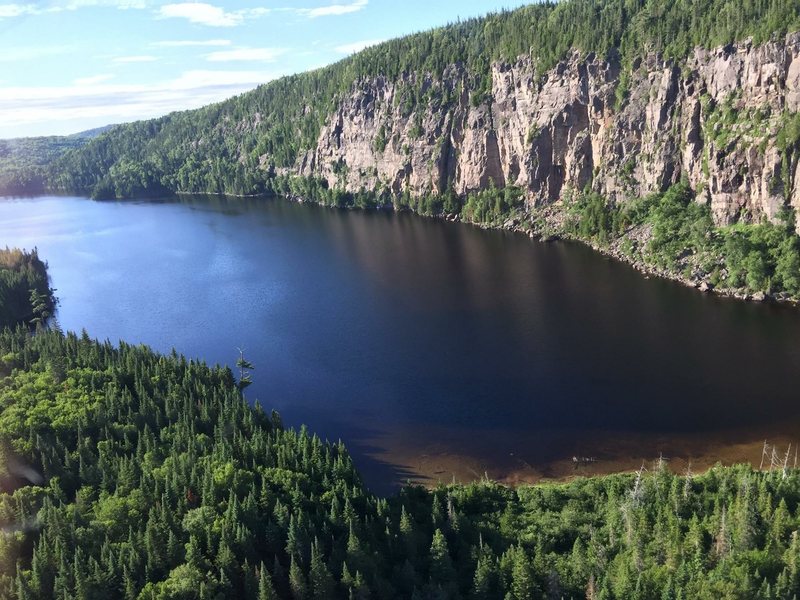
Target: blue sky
71	65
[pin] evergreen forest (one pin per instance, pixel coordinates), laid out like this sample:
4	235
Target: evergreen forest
129	474
25	294
240	145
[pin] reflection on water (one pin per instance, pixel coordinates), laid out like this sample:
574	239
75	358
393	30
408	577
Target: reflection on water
412	338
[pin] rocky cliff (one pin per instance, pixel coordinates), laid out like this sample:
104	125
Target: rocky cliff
623	131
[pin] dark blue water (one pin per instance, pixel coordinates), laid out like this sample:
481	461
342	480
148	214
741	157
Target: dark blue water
378	326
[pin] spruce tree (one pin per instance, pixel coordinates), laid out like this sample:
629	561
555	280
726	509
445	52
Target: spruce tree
266	591
297	581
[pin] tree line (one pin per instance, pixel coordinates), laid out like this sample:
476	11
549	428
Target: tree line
754	257
25	294
129	474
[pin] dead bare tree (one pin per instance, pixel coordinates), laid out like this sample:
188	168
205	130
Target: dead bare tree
785	470
661	463
687	482
769	453
774	461
636	492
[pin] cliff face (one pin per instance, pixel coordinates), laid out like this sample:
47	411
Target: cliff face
714	118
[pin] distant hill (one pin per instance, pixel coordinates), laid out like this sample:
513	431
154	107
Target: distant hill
90	134
24	162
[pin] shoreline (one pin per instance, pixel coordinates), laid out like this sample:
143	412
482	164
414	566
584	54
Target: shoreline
552	214
552	231
702	285
433	461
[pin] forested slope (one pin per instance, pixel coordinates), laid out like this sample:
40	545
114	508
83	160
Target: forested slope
132	475
236	146
25	294
25	162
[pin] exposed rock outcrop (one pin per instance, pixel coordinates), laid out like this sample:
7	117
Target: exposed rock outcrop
589	122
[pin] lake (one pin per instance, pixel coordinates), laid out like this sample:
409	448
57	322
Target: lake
435	350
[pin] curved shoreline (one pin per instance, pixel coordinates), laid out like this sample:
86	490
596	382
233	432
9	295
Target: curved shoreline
435	460
553	231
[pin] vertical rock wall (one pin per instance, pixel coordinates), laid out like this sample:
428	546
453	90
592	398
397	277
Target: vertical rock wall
713	118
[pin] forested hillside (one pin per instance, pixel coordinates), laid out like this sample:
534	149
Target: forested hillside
236	146
25	294
24	162
132	475
567	119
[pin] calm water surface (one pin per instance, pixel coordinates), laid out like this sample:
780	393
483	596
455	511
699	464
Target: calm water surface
409	337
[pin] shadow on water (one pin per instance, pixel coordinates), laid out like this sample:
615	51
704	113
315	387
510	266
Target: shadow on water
383	476
432	349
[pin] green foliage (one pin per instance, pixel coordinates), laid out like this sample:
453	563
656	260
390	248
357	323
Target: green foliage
23	162
150	477
492	206
788	137
25	294
245	367
788	143
417	129
591	217
380	141
680	225
758	257
311	189
237	146
622	89
763	257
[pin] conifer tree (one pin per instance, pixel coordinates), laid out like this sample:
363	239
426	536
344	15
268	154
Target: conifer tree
522	582
441	565
266	591
322	582
297	581
483	578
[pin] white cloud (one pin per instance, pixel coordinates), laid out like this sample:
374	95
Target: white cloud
191	43
246	54
23	53
200	78
93	80
76	4
54	110
135	59
354	47
334	9
252	13
9	11
201	13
